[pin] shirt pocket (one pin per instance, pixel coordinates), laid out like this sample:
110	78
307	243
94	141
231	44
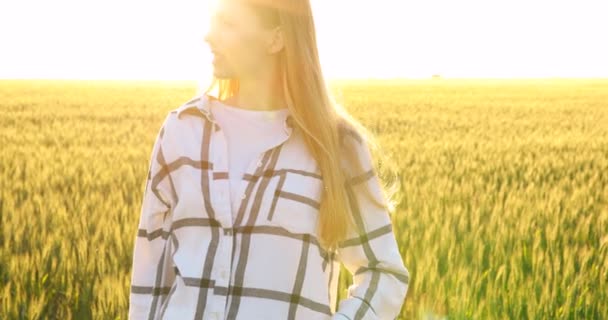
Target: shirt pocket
296	200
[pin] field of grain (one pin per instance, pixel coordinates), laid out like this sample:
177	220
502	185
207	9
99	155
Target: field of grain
503	210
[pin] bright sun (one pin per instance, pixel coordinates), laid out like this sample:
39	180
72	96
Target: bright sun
357	39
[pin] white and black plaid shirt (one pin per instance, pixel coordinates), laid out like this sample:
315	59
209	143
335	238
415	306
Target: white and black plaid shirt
191	261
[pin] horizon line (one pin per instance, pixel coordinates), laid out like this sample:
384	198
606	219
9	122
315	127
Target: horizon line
436	78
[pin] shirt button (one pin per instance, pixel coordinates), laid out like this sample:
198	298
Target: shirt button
243	197
223	274
259	163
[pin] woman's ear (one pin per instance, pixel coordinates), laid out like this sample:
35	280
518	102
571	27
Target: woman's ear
276	40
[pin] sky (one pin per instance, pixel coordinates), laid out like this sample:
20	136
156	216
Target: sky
162	39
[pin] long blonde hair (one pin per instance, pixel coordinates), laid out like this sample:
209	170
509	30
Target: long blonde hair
324	122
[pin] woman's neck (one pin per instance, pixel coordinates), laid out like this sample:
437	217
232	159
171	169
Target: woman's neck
264	91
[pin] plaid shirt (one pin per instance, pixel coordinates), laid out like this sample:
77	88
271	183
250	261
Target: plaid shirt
192	261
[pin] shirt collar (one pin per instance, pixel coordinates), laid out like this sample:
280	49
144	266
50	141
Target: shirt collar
202	105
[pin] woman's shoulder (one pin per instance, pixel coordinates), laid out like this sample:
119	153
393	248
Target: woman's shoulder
349	133
354	138
176	118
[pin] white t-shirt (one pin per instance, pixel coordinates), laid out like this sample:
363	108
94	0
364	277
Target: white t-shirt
248	133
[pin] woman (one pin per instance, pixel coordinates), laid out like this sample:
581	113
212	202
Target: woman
256	193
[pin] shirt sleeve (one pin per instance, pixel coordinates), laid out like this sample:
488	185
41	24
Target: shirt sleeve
152	274
371	254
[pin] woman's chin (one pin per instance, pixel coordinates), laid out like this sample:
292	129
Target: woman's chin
220	74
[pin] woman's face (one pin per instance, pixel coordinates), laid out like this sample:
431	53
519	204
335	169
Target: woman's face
240	44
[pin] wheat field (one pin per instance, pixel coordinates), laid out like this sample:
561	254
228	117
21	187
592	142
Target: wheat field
503	210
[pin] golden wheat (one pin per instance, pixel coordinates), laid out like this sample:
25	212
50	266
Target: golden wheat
503	210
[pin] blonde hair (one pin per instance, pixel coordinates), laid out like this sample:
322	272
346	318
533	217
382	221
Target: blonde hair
324	122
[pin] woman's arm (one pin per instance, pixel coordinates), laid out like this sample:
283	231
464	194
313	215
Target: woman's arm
380	278
152	274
